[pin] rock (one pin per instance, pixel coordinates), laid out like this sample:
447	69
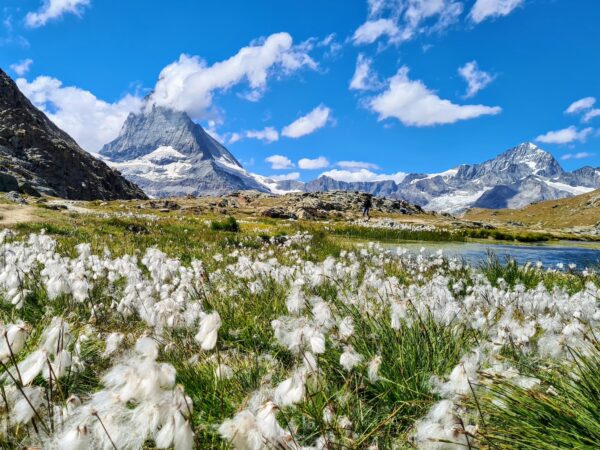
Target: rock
278	213
15	197
166	205
46	160
8	182
332	205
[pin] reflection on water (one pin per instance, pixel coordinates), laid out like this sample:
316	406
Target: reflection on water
549	254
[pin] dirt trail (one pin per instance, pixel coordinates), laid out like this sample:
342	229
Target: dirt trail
12	214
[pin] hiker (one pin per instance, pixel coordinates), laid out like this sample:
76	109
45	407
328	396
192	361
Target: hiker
368	203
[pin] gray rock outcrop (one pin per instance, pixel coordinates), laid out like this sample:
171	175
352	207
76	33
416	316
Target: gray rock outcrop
36	157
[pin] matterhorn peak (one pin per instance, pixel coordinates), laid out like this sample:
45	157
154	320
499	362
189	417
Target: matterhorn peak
168	154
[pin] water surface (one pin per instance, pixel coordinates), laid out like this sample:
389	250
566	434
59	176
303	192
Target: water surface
550	255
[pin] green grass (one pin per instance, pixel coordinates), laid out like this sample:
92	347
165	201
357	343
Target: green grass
228	224
512	274
393	235
500	235
563	412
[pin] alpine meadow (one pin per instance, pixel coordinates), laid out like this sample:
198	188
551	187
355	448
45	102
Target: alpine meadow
352	224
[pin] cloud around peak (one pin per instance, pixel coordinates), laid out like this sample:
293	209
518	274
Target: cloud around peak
74	110
189	84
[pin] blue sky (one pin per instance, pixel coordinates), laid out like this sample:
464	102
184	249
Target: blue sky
391	85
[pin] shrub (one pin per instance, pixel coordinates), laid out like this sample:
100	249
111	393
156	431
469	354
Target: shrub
229	224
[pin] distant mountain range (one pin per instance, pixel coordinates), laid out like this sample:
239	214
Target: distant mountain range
36	157
520	176
167	154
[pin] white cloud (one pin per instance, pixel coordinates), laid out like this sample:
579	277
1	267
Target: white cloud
279	162
476	79
285	176
90	121
487	9
189	83
586	106
362	175
591	114
372	30
355	165
402	20
580	155
364	78
312	164
268	135
581	105
564	136
22	67
54	9
308	124
413	104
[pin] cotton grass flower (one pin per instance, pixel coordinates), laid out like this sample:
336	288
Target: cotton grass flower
350	358
209	326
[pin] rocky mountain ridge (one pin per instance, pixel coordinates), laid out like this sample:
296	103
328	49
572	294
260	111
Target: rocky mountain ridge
36	157
520	176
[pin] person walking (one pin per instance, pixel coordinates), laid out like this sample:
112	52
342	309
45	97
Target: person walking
368	203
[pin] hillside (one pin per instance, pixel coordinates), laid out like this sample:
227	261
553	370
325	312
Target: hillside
579	214
37	157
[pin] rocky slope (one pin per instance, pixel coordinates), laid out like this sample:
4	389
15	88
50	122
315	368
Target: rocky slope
295	205
168	155
578	215
520	176
36	157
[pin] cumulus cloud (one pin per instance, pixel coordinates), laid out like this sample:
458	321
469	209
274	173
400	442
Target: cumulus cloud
581	105
54	9
579	155
267	134
364	78
489	9
312	164
413	104
308	124
189	84
585	106
565	136
22	67
372	30
402	20
279	162
356	165
591	114
476	79
90	121
286	176
362	175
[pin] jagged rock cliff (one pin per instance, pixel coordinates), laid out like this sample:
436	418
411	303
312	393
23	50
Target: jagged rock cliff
36	157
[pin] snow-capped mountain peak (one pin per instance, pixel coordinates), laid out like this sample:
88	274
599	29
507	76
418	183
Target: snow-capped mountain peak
156	127
168	154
